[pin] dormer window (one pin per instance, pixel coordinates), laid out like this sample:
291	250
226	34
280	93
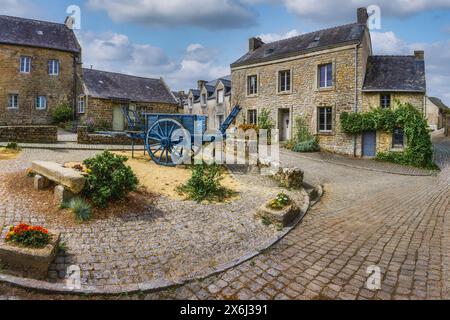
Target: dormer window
190	102
385	101
203	99
53	67
25	64
220	96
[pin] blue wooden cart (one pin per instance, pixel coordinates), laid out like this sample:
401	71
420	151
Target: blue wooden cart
170	139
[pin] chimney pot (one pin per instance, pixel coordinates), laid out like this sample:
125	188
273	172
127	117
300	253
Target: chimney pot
254	43
363	16
419	54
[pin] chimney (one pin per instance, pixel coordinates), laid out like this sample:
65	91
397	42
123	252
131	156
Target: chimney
201	83
420	55
69	22
254	43
363	16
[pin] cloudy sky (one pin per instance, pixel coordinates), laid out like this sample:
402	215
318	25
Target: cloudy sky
187	40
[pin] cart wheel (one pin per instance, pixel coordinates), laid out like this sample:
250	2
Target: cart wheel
168	143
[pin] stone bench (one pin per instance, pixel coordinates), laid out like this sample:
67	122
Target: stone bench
69	182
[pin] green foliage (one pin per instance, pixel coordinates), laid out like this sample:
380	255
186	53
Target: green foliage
205	184
80	208
62	114
307	146
108	178
13	146
265	121
419	149
280	202
303	140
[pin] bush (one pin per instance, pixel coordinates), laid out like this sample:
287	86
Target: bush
108	178
205	184
281	201
28	236
62	114
80	208
13	146
307	146
419	148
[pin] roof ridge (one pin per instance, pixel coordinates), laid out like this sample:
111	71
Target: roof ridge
121	74
32	20
312	32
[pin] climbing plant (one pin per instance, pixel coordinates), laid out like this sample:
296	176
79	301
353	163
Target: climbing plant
419	149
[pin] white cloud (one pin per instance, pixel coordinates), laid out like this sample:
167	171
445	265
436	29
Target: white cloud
437	60
22	8
115	52
214	14
271	37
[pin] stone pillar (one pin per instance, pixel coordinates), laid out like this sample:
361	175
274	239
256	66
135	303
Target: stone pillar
62	195
40	182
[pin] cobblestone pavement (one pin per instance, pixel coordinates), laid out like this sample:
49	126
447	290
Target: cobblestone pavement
170	242
366	218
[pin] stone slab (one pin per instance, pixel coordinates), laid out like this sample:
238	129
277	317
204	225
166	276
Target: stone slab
69	178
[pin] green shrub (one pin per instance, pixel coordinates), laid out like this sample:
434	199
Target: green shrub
13	146
419	148
280	202
307	146
62	114
205	184
108	178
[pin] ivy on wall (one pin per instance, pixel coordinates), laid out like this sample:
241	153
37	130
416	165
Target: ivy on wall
419	149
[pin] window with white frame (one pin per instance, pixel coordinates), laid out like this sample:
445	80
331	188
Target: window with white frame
325	120
53	67
252	117
220	96
252	85
284	81
41	102
203	99
25	64
326	75
13	101
81	104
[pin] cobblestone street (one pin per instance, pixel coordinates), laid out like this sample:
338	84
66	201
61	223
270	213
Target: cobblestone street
399	223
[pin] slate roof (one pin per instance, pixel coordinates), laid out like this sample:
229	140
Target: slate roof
116	86
34	33
211	88
438	102
395	73
314	41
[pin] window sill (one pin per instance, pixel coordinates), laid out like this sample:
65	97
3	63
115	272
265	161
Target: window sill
325	133
397	149
252	95
327	89
41	109
284	93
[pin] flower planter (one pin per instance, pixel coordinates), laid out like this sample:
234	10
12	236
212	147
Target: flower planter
282	217
29	262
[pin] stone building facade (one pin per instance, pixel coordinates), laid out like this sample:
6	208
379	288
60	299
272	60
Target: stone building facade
212	99
106	93
39	72
436	111
318	76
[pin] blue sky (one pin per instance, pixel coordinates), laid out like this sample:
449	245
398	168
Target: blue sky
184	41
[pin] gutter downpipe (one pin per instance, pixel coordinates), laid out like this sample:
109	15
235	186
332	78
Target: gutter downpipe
356	92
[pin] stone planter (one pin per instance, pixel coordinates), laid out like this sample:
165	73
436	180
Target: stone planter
29	262
281	217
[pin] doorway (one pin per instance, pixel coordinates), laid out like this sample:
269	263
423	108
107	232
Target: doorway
118	119
369	144
284	124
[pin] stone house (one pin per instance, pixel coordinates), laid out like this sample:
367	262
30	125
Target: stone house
211	98
106	93
436	111
40	63
321	74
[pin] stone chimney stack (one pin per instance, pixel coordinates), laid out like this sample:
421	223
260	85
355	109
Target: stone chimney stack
201	83
69	22
363	16
420	55
254	43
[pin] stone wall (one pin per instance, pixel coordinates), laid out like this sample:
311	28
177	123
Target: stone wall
371	100
305	96
101	110
447	125
29	134
116	138
58	89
